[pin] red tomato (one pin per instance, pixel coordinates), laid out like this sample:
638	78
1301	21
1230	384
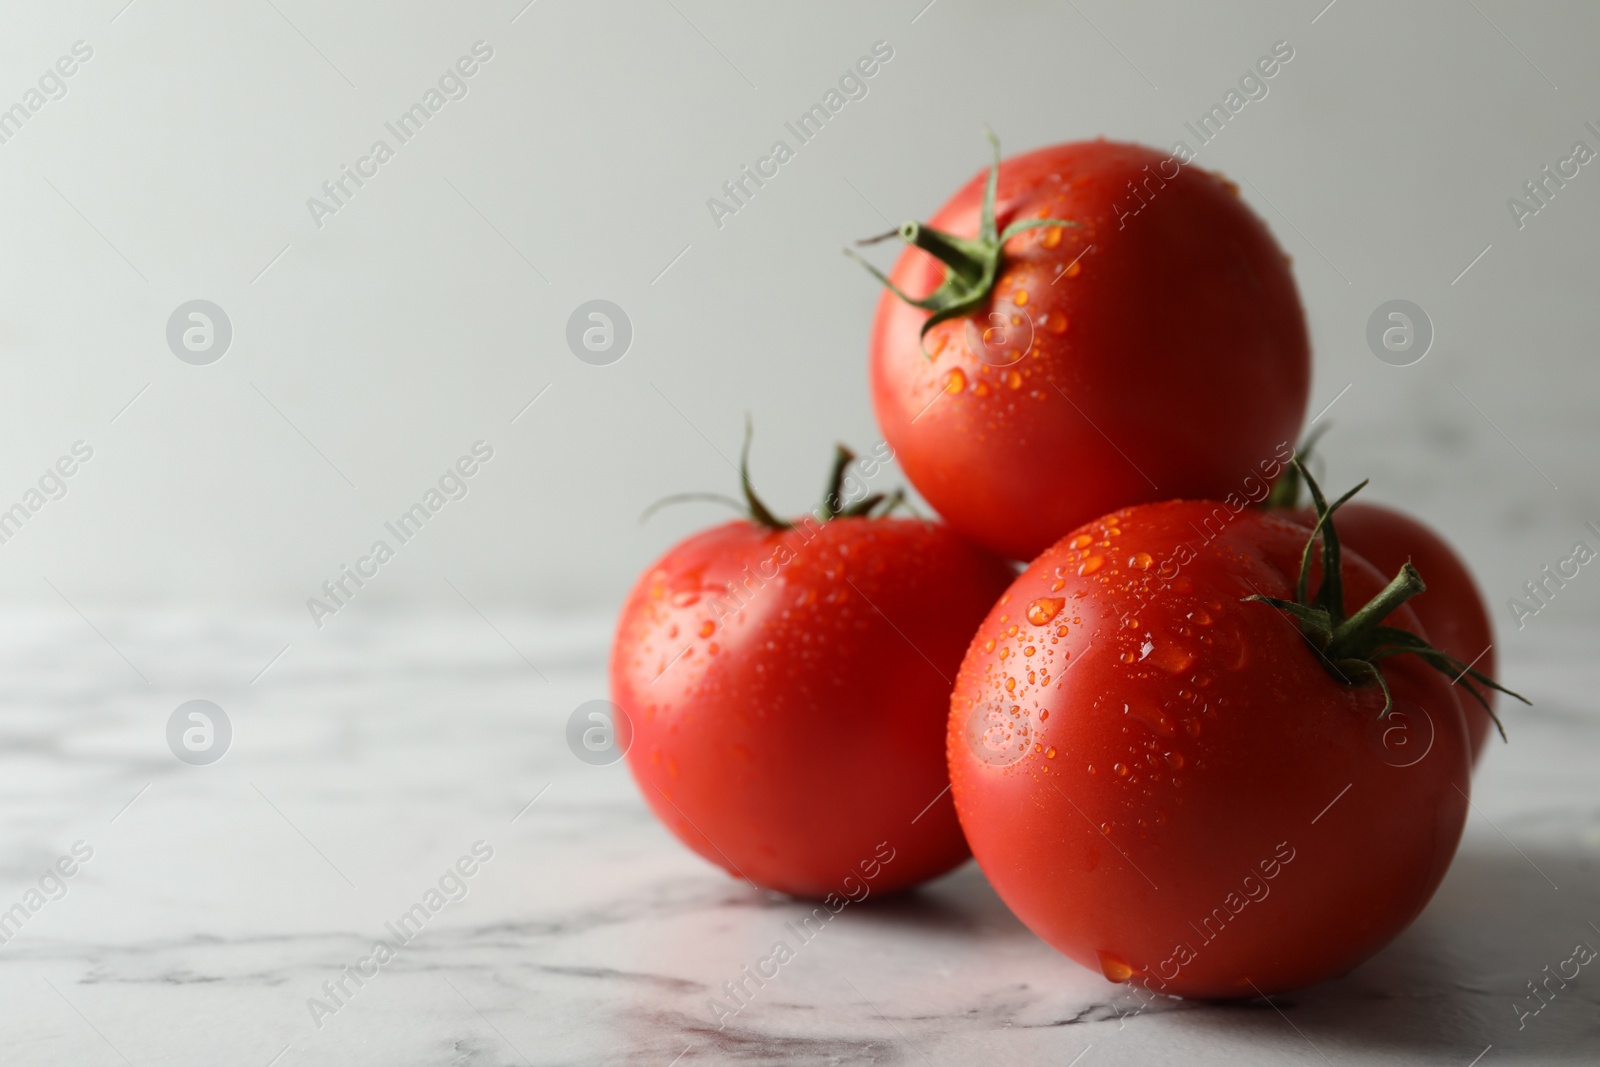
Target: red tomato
1452	611
787	692
1143	354
1169	784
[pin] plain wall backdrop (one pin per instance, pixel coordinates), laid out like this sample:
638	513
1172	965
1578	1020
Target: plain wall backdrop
371	351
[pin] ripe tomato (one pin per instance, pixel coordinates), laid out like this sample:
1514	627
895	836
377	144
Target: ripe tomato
1171	785
1452	610
787	691
1154	348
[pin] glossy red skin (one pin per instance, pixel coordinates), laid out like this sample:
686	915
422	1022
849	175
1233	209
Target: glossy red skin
1183	351
1233	758
798	734
1452	609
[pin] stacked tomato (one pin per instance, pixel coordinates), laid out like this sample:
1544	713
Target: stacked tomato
1209	741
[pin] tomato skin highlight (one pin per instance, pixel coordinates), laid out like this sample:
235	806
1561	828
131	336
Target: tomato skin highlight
1156	770
803	731
1453	609
1169	350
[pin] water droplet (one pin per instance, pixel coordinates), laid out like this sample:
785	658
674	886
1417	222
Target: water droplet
686	598
1153	717
708	628
1044	609
1131	622
1050	753
988	646
1004	652
1052	237
1074	269
1175	760
1021	299
1172	657
955	381
1011	685
981	389
1081	541
1030	650
1140	561
1014	380
1090	565
1121	769
1058	323
1114	968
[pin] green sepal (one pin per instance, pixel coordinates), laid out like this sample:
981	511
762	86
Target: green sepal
1353	647
754	509
971	264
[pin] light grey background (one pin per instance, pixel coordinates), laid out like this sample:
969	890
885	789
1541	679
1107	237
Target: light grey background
370	353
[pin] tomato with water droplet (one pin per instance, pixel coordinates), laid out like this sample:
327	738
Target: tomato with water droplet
1452	609
816	733
1186	366
1287	841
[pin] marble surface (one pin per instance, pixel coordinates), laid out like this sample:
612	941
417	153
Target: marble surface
367	758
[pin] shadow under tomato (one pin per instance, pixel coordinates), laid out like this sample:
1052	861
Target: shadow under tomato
1456	981
959	902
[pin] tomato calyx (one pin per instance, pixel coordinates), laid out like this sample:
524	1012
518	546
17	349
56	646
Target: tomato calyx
1353	647
971	264
755	510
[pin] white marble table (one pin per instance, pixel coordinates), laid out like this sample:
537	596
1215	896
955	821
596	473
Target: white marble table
372	755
